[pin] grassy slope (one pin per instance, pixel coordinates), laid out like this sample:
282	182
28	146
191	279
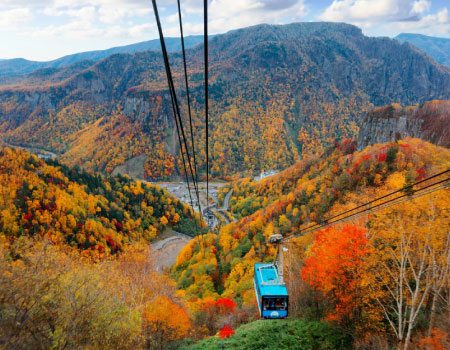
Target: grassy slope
278	335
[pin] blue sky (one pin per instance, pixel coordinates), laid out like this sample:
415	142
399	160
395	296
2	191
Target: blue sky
48	29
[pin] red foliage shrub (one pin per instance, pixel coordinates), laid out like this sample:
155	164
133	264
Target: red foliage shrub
381	157
226	331
226	305
421	174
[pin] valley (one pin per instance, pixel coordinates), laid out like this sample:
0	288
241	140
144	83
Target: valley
102	114
210	211
329	163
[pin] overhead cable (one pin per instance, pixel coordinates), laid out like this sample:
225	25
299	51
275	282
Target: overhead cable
175	107
417	193
188	94
205	48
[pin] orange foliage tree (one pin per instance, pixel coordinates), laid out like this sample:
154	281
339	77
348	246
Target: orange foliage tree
333	267
164	321
438	340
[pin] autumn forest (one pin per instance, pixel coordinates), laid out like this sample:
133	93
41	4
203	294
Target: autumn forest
95	252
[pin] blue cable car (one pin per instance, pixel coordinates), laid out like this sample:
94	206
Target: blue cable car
271	292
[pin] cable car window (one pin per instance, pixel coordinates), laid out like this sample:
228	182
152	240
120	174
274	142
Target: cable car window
277	304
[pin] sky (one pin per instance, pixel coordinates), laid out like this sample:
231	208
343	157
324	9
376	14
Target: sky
47	29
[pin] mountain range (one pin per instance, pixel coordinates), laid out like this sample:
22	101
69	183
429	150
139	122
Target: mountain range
438	48
277	93
20	66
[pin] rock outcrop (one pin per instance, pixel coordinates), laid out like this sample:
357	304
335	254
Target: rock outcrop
429	121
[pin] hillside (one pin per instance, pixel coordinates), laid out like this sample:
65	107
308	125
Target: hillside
278	93
336	273
16	68
438	48
295	335
430	122
304	194
96	215
106	293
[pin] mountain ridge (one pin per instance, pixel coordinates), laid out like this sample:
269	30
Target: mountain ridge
438	48
20	66
277	93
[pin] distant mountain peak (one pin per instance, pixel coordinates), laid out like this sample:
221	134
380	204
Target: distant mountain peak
438	48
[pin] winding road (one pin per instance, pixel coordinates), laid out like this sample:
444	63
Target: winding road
171	243
222	211
226	201
41	153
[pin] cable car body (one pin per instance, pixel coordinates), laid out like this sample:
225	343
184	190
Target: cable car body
271	292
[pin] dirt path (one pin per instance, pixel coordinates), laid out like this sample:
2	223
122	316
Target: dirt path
168	249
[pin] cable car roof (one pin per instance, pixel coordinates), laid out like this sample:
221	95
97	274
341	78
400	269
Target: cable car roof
266	275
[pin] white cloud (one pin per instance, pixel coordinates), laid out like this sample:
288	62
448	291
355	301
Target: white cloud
437	24
226	15
140	30
77	19
173	18
15	18
392	15
421	6
136	31
111	15
86	18
87	13
72	30
232	14
368	11
78	30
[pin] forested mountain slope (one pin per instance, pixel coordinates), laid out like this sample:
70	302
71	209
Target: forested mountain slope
305	193
277	93
344	273
67	205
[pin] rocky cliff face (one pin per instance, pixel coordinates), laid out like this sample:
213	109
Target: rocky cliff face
429	121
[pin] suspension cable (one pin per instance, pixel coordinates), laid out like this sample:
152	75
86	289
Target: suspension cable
188	96
172	85
390	194
420	192
174	101
205	45
411	186
182	156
